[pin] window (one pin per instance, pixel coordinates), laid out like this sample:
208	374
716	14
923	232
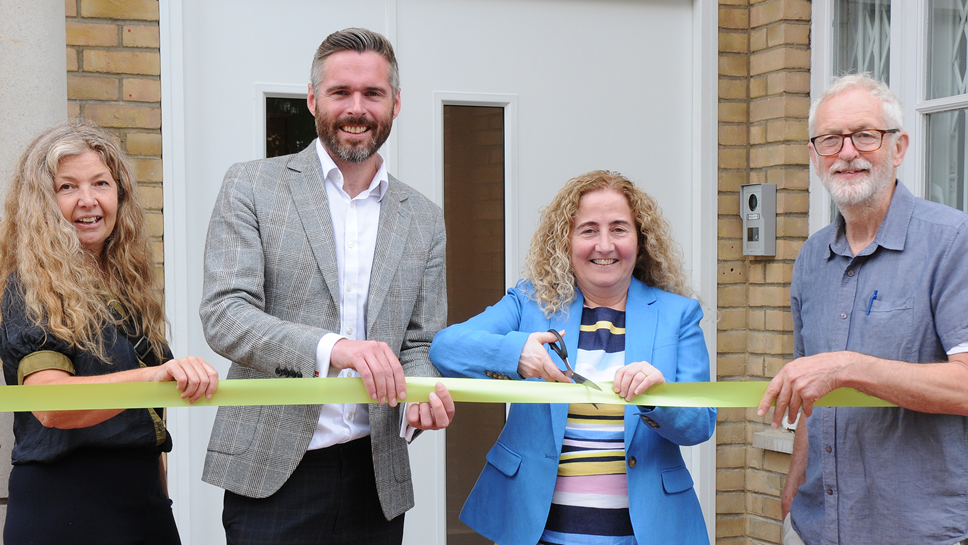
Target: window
862	37
928	72
289	126
474	165
945	84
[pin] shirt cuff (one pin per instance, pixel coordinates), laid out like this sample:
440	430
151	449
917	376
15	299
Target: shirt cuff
324	350
406	430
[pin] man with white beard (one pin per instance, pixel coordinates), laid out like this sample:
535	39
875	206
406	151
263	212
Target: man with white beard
880	304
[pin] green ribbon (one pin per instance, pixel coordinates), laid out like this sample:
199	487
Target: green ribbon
312	391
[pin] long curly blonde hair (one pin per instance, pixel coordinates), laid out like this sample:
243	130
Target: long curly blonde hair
549	268
65	287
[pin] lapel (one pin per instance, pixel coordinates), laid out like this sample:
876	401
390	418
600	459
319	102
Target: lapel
641	317
309	196
391	241
571	324
641	320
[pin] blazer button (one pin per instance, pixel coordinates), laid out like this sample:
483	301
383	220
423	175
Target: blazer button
631	461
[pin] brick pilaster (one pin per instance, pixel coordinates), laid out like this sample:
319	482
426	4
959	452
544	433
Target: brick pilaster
764	86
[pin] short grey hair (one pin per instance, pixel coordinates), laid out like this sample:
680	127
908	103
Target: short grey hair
893	112
360	40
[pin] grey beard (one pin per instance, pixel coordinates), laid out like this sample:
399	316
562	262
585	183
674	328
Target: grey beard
352	155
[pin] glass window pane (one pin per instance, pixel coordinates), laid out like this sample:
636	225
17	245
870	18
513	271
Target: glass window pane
947	24
289	126
862	37
946	155
474	215
862	42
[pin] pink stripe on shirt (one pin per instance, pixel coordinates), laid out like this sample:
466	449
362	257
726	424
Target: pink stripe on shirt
594	484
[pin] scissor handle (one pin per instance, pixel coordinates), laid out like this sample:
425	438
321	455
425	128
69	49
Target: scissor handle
559	346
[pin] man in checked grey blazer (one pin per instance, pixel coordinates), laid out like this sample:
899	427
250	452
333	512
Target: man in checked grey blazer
321	263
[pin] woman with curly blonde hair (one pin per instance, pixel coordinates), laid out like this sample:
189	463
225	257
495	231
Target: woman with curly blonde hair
603	267
79	307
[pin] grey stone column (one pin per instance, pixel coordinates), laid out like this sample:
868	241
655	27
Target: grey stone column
33	75
33	96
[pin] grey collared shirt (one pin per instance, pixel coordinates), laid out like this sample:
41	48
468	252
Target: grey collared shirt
885	475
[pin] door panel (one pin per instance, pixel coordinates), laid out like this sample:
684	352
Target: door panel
597	84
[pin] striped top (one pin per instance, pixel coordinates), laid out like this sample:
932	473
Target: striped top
591	500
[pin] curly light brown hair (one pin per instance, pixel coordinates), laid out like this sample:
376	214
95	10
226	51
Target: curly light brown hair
549	268
66	288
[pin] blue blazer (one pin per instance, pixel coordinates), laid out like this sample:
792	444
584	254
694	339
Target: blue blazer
512	498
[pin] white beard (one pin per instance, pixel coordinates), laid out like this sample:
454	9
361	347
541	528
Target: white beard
863	189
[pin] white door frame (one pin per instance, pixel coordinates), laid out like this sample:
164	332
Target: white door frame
704	255
703	245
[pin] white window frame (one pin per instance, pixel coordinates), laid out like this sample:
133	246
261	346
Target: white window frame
509	104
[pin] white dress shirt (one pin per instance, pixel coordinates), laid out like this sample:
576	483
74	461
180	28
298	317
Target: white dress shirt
355	223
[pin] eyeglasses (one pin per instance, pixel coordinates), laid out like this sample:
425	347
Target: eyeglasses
863	140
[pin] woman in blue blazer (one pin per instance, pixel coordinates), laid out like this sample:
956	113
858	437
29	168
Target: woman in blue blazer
604	270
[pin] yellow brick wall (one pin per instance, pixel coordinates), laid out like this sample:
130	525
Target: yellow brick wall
114	80
764	98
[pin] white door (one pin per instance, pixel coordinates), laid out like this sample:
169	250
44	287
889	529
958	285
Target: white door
620	85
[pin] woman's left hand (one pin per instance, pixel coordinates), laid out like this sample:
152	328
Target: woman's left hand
635	378
193	375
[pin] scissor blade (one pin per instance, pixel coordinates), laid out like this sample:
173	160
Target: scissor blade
582	380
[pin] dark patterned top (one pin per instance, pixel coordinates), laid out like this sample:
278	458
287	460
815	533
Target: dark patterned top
26	348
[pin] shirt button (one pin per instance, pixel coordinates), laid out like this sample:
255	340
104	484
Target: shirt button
843	315
631	461
350	244
828	449
352	204
850	272
830	491
349	331
349	288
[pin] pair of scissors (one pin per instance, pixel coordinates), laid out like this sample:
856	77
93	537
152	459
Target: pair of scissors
560	349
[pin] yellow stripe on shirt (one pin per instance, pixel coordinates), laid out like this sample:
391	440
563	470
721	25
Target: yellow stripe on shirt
604	325
587	409
616	467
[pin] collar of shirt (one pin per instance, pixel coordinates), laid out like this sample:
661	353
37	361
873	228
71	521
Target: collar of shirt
890	235
331	172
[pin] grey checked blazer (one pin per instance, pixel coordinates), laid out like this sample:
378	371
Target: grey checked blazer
271	292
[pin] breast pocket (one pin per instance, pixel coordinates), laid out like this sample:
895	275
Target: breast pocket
889	315
665	354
